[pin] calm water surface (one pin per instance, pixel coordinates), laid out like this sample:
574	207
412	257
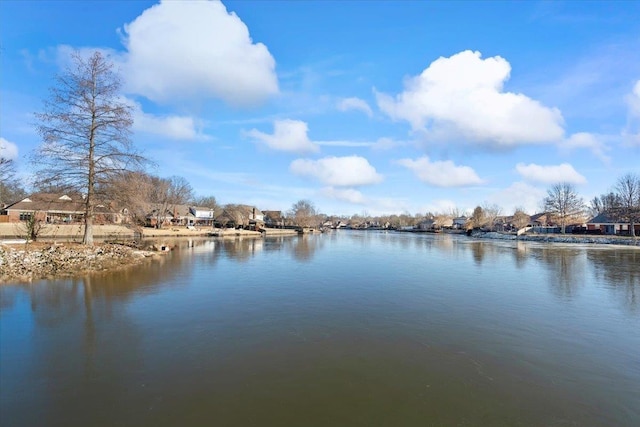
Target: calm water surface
341	329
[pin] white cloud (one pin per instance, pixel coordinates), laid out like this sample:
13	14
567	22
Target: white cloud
8	149
171	126
357	104
349	195
441	173
462	97
587	141
518	195
550	174
349	171
195	49
288	135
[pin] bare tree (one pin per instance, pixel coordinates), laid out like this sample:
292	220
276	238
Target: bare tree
304	213
85	128
604	203
491	214
166	194
628	192
564	203
207	202
6	168
520	218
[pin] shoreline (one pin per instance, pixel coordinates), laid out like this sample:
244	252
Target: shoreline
560	238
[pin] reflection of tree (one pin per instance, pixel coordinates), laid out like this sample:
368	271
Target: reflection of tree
478	249
567	267
620	269
305	247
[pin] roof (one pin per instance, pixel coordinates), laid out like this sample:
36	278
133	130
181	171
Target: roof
604	218
49	202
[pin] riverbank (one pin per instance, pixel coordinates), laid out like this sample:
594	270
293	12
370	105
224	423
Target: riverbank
25	263
559	238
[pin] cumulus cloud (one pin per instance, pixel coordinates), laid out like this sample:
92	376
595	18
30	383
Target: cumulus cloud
349	195
349	171
170	126
348	104
462	98
179	50
550	174
584	140
441	173
8	149
288	135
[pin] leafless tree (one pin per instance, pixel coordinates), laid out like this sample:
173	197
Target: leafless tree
85	128
207	202
520	218
166	194
304	213
564	203
628	192
6	168
491	213
604	203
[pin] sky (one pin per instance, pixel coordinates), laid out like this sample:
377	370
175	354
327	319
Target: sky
362	107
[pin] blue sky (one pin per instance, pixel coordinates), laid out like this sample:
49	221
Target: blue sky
376	107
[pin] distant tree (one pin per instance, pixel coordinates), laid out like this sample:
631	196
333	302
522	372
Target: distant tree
304	213
628	192
85	128
478	218
564	203
130	191
491	213
11	191
520	218
166	194
207	202
7	168
604	203
239	215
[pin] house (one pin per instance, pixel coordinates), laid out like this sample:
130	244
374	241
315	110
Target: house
273	219
244	216
426	224
460	222
608	223
59	209
200	215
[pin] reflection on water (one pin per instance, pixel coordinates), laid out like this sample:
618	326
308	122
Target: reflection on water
346	328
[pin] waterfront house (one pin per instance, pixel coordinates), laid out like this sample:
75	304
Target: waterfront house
57	208
609	223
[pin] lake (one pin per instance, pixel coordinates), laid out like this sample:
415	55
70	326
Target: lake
341	329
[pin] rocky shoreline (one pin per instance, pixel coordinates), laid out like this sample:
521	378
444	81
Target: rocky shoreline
559	238
19	264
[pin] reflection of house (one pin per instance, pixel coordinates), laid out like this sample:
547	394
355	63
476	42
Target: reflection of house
607	223
58	209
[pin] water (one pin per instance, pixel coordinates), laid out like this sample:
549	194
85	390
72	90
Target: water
341	329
